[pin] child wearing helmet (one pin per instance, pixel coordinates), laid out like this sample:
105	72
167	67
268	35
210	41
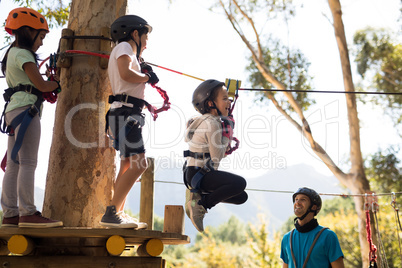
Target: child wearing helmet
208	142
297	245
128	76
24	99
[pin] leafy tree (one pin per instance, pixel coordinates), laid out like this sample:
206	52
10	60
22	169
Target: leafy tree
379	61
232	231
384	171
296	77
265	250
244	14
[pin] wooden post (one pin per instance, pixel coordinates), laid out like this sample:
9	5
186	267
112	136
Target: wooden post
105	46
147	194
174	219
65	44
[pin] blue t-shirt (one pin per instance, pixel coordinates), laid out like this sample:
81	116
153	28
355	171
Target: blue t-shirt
325	251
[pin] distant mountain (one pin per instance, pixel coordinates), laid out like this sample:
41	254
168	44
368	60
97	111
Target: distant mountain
276	206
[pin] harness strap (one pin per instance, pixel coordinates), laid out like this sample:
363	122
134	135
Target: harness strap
196	155
124	98
195	184
23	119
311	247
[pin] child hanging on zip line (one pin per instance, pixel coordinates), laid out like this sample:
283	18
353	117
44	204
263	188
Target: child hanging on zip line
128	76
208	137
24	99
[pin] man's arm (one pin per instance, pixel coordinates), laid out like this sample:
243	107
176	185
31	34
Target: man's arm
338	263
285	265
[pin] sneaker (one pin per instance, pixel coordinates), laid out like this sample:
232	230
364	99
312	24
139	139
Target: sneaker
197	212
115	220
10	222
189	197
38	221
140	225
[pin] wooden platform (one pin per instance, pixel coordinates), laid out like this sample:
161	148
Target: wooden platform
132	237
86	247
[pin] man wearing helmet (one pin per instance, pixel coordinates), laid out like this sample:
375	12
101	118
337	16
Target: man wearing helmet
309	244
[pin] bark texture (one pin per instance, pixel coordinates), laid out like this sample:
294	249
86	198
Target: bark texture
81	165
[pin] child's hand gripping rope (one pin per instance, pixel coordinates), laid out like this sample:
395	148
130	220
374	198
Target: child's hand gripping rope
228	124
51	73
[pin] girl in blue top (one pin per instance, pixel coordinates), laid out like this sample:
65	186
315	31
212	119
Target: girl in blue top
24	100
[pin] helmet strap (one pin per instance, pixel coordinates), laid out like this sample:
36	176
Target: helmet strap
138	45
36	36
307	212
216	108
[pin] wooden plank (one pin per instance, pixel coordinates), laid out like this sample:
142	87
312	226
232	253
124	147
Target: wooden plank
174	219
131	236
81	261
147	194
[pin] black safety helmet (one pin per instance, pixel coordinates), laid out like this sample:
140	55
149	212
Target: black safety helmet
203	92
124	25
315	199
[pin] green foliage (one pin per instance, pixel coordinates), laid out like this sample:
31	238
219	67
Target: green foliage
233	231
331	206
384	171
265	250
55	11
344	224
379	63
289	67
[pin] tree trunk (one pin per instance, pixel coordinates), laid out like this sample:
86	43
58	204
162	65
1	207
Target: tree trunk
81	165
357	181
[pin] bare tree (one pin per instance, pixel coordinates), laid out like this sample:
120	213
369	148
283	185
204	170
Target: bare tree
355	179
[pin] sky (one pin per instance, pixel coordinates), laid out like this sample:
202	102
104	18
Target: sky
189	38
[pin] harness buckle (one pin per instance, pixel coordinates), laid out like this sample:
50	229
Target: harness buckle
33	110
125	96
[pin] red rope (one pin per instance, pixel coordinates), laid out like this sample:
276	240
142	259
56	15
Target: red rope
373	248
88	53
166	104
234	148
152	109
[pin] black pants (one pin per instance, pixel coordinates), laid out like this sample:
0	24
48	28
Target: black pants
223	187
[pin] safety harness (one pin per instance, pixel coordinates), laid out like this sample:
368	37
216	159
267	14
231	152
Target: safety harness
135	119
311	247
195	186
23	119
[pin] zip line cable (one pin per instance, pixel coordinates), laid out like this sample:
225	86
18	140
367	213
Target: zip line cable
71	53
292	192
